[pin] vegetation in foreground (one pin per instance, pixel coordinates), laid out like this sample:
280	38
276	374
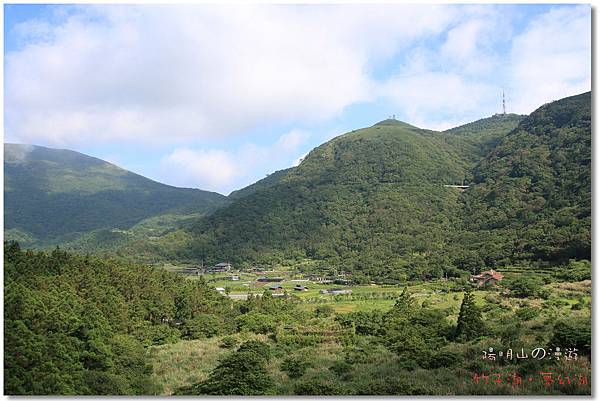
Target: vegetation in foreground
80	325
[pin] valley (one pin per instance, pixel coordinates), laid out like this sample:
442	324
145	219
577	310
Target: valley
392	260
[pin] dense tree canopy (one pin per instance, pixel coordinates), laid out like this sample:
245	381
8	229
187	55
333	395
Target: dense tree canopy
79	325
373	201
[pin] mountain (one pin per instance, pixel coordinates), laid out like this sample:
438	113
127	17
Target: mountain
372	200
474	140
54	196
265	183
531	198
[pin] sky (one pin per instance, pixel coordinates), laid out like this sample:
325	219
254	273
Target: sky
218	96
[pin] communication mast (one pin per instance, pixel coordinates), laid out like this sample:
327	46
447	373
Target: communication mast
503	103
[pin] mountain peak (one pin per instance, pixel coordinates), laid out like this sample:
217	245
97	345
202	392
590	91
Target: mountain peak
393	122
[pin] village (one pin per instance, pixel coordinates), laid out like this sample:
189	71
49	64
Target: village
339	289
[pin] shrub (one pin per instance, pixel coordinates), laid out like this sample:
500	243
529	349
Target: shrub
324	311
256	322
572	334
365	323
242	373
228	342
525	286
261	349
577	306
446	359
341	368
317	386
295	366
527	313
576	270
203	326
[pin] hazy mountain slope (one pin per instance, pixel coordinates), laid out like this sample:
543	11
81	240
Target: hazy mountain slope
53	196
371	200
532	194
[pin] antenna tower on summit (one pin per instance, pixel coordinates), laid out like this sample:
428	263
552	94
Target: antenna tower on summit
503	103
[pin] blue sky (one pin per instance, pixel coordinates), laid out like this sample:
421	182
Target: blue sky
216	97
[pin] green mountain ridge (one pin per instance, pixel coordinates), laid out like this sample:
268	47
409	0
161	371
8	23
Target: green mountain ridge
373	201
53	196
532	194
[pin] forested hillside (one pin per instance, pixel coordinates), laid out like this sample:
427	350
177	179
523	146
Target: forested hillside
474	140
54	196
373	201
81	325
532	195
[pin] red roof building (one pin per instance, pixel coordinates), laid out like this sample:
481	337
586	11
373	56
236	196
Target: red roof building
486	278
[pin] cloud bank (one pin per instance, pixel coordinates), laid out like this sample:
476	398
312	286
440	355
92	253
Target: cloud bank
222	170
162	72
202	81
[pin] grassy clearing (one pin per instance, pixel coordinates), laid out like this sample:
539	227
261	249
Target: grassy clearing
186	362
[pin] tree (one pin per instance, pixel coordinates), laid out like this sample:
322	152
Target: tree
413	333
242	373
525	286
470	323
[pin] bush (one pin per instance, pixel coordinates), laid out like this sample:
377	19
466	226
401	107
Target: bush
316	386
157	334
256	322
295	366
492	299
341	368
242	373
228	342
576	270
577	306
365	323
203	326
572	334
324	311
527	313
261	349
446	359
525	286
104	383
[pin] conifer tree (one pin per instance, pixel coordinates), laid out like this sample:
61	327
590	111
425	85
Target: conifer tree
470	323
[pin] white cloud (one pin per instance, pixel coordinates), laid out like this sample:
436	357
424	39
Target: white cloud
183	74
552	58
427	98
299	160
208	169
225	170
157	73
292	140
463	79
